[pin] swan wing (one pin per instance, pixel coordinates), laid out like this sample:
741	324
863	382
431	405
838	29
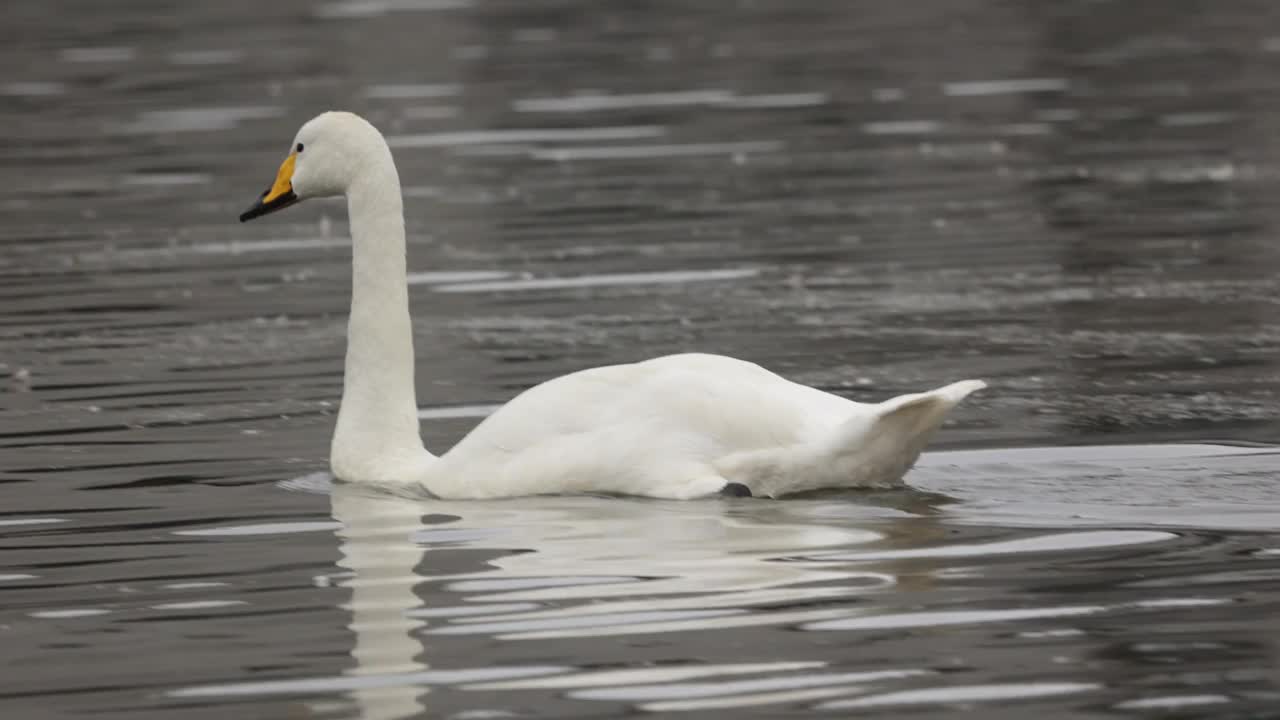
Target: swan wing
649	428
683	426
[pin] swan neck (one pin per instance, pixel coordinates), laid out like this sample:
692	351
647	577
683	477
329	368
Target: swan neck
377	431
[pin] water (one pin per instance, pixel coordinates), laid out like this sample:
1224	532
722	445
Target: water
1073	200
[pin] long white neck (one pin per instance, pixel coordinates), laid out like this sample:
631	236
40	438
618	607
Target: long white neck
376	439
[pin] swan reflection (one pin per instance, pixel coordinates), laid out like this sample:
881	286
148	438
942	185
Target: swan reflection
377	547
557	567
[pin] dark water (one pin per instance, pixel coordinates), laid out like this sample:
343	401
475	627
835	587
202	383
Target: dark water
1076	201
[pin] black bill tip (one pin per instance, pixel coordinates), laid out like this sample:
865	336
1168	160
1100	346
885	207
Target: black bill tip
259	208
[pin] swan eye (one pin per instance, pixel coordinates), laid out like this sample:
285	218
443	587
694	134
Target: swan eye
299	148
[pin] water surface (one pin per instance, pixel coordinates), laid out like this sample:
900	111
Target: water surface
1073	200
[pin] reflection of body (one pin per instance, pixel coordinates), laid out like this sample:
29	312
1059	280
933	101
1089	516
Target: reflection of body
681	426
583	567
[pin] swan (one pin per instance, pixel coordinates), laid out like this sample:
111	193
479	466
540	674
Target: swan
677	427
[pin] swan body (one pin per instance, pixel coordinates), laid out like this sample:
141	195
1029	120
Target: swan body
680	426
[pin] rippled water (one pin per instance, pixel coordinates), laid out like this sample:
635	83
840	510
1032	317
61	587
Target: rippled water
1074	200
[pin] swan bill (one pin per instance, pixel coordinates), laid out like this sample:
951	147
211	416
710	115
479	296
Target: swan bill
262	207
279	195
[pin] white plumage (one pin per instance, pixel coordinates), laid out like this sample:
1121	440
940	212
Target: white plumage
681	426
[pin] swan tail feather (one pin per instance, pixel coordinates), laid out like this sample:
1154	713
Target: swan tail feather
877	449
872	449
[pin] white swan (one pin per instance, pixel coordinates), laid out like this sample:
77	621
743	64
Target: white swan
681	426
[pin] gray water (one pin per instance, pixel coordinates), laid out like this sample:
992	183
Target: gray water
1074	200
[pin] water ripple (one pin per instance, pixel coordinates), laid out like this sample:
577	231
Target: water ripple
326	685
538	135
961	694
1058	542
262	529
603	280
1005	87
649	152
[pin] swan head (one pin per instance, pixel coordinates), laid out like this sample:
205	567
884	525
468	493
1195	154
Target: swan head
329	153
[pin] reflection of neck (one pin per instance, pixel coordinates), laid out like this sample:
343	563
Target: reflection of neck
377	425
378	548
